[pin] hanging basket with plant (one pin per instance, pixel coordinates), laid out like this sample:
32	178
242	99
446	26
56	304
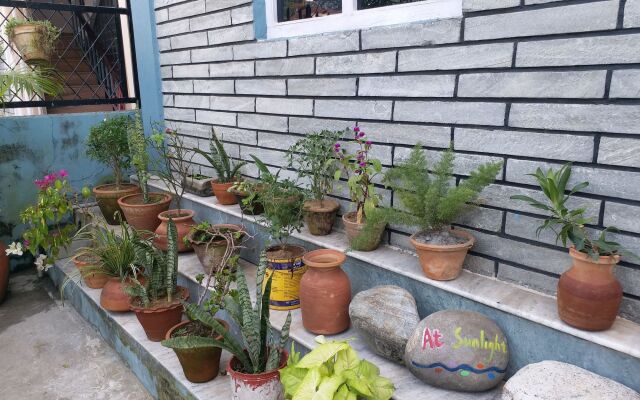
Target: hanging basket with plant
35	40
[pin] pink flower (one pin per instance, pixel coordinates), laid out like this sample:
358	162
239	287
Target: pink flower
362	164
368	142
356	129
336	147
41	183
25	243
168	130
361	134
63	173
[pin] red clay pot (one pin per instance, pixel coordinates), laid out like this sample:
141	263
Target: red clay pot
94	280
107	198
183	220
220	190
319	215
589	295
353	230
113	296
442	262
142	216
264	386
325	293
199	364
157	320
4	272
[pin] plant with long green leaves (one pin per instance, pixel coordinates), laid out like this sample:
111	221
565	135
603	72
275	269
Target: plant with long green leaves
108	144
257	351
41	80
570	222
139	155
226	169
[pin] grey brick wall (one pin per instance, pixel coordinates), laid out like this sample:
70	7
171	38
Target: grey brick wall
532	83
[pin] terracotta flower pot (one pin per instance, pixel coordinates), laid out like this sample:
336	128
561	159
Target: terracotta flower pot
159	318
220	190
210	254
265	386
199	364
4	272
443	262
589	295
113	296
325	293
183	220
287	267
27	38
143	216
354	229
107	198
94	280
319	216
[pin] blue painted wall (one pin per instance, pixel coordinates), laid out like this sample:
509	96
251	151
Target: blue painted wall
260	19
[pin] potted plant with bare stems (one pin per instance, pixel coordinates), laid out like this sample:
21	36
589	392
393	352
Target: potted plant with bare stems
209	241
35	40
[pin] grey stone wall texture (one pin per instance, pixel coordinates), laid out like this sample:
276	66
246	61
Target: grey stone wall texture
534	83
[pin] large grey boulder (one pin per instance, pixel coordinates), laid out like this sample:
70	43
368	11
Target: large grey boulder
553	380
385	316
458	350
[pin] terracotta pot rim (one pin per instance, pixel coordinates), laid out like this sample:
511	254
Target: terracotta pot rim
215	182
125	187
122	201
289	246
602	260
310	258
181	291
76	260
261	376
183	323
190	214
446	248
333	206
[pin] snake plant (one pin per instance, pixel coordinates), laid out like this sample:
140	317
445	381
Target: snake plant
217	156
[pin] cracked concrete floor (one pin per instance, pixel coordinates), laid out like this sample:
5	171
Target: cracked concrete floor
48	352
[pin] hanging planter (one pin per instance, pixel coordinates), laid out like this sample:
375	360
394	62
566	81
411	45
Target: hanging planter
34	40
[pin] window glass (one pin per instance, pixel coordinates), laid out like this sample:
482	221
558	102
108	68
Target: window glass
366	4
290	10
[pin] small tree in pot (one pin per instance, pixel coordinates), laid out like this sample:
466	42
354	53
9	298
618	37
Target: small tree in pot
431	203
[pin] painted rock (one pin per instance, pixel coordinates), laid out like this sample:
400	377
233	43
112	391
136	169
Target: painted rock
385	316
458	350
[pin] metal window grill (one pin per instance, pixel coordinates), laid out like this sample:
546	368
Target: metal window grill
94	55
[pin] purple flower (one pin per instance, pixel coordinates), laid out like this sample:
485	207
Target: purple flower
362	164
361	134
368	142
26	243
336	147
356	129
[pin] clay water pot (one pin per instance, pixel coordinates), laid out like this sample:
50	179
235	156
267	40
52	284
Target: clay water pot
265	386
4	272
319	215
107	198
141	216
157	319
199	364
325	293
443	262
220	190
183	219
354	229
211	254
113	296
94	280
27	38
589	295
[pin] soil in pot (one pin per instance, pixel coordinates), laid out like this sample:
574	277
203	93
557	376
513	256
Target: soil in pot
144	216
199	364
4	272
107	198
160	315
265	386
442	254
287	267
210	253
325	293
354	229
220	190
113	296
183	220
319	215
93	279
589	295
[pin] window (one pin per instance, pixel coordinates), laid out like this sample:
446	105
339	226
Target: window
286	18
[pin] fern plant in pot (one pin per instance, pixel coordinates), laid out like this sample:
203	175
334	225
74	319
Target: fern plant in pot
589	294
431	203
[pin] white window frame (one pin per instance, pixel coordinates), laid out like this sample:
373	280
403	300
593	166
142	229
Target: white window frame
352	18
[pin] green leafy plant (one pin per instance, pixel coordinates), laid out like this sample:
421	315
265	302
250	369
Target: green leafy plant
227	170
48	33
256	351
430	199
39	79
108	144
331	371
139	155
249	191
571	223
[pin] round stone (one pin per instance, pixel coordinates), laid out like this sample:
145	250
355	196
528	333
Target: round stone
458	350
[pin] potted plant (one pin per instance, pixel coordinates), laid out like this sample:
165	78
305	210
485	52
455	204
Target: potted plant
313	157
282	201
431	203
141	210
210	242
228	172
333	370
248	196
175	160
107	144
199	184
589	294
35	40
360	170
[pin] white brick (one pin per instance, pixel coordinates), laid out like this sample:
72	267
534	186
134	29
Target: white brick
407	86
162	15
175	57
242	15
232	103
619	151
326	43
623	216
450	112
262	122
191	40
213	5
168	101
413	34
164	44
187	9
172	28
546	84
276	140
463	164
269	157
531	279
625	83
261	86
232	69
479	265
191	101
308	125
191	71
212	54
364	63
210	21
199	130
269	49
284	106
632	14
166	72
576	117
180	114
481	5
365	109
232	34
322	87
432	136
216	117
236	135
213	86
287	66
495	55
529	144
